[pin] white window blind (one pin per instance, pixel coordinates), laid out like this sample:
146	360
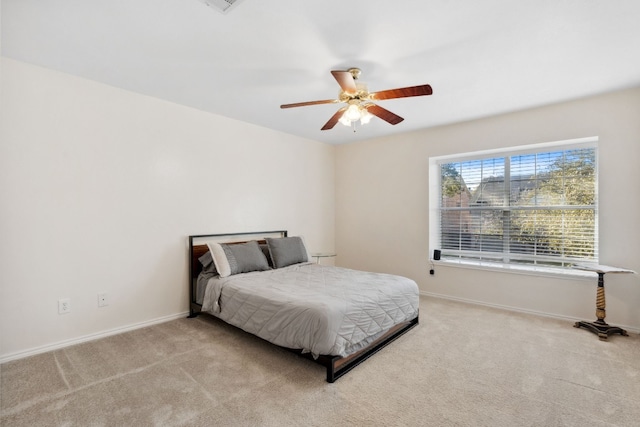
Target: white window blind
530	207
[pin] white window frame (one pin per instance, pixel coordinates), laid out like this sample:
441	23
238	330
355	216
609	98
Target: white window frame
435	187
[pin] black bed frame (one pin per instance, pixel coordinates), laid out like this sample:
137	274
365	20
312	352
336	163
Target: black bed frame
336	366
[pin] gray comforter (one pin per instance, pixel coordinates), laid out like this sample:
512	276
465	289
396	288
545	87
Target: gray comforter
319	309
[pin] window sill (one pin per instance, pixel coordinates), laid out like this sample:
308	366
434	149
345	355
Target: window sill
529	270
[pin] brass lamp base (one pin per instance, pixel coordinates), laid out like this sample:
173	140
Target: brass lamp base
601	328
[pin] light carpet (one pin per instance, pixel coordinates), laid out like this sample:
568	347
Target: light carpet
464	365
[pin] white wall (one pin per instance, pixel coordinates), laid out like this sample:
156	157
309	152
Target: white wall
383	192
100	188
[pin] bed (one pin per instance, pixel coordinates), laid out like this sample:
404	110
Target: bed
264	283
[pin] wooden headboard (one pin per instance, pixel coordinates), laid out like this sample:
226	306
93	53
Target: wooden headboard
196	250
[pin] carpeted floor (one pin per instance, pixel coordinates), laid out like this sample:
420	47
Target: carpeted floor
464	365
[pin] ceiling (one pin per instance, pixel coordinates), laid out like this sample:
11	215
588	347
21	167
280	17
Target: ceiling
482	57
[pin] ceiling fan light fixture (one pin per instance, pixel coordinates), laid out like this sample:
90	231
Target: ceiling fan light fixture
365	117
354	113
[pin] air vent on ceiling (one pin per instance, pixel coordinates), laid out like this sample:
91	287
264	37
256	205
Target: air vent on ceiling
222	6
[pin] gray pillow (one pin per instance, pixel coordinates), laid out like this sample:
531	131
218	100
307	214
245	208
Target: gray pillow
207	263
287	251
238	258
265	250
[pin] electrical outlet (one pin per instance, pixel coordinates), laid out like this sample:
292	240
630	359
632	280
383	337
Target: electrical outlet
102	300
64	305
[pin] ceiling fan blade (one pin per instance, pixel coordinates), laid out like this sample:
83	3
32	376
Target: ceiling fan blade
345	80
384	114
403	92
304	104
334	119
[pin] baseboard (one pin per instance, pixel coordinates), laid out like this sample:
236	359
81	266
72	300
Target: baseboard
115	331
91	337
518	309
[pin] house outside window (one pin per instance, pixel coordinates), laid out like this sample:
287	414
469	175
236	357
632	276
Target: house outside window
526	207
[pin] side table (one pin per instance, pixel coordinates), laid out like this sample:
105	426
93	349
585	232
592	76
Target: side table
599	326
318	255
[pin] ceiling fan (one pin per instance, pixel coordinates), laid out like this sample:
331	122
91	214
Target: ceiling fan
360	105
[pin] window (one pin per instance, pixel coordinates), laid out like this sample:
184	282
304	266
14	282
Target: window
535	205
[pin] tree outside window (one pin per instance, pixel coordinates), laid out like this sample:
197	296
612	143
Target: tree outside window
533	208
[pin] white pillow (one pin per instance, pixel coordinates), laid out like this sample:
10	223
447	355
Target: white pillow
220	259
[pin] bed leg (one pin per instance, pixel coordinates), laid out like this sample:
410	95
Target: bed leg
194	310
331	375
